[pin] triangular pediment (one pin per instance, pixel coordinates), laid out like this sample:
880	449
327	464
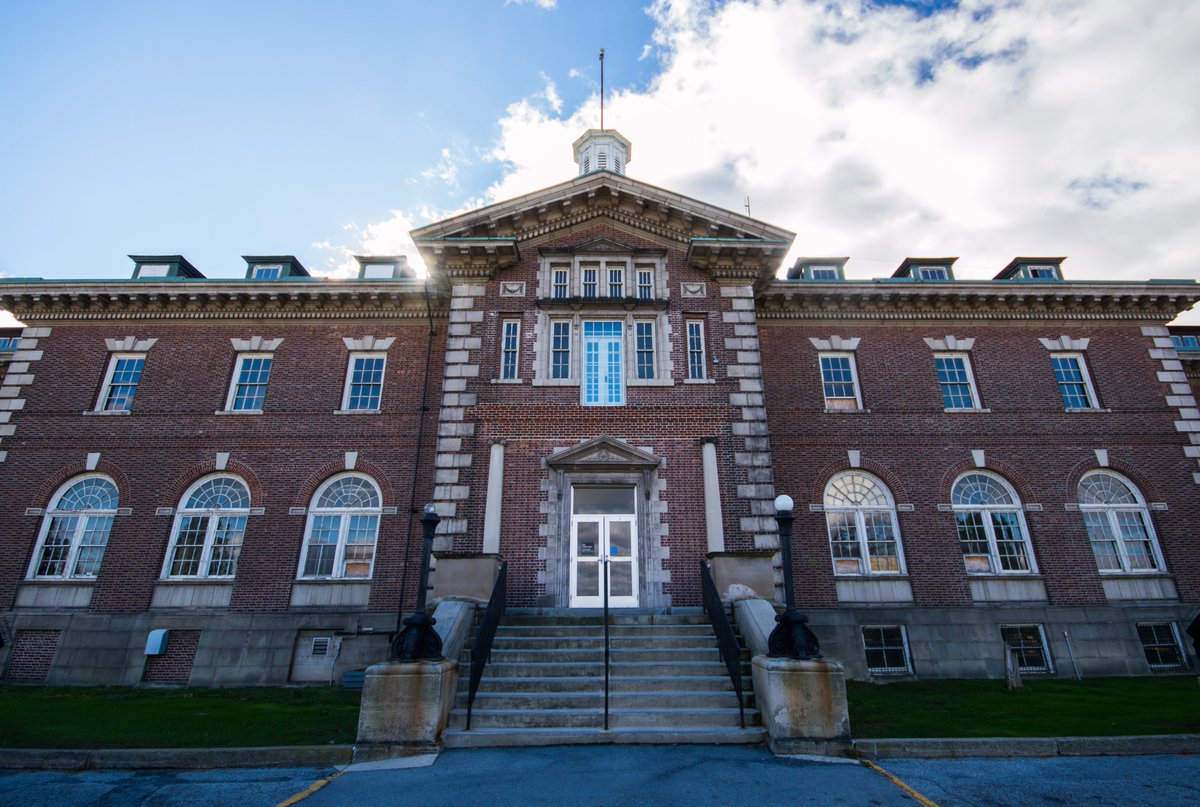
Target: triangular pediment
490	238
603	452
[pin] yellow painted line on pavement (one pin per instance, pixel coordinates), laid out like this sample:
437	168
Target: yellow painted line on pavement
898	782
313	788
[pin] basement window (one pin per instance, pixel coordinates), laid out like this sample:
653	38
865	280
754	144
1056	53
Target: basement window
886	647
1029	641
1160	641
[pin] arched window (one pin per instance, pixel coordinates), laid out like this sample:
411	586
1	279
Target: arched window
863	534
1118	524
343	524
75	530
209	527
991	526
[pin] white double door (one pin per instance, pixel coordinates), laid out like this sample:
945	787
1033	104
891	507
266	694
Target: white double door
603	544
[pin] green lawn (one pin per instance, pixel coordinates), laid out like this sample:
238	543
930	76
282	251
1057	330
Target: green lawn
1095	707
134	717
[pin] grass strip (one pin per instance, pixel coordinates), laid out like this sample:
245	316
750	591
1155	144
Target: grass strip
139	717
1094	707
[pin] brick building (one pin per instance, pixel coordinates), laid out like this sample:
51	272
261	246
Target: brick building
601	368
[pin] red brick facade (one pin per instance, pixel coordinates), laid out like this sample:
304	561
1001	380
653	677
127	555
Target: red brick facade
445	407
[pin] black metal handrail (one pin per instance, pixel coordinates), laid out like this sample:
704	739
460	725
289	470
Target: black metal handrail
727	643
604	563
481	651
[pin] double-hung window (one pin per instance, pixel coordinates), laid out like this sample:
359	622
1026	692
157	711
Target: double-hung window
588	276
208	530
248	389
75	530
560	349
695	350
1160	642
343	525
510	345
121	382
956	381
644	349
364	382
561	282
991	527
839	381
1118	524
603	364
645	283
861	518
1071	373
616	281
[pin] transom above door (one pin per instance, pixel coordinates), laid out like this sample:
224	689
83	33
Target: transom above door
603	546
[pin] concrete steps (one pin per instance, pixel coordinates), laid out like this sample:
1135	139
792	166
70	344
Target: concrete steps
544	685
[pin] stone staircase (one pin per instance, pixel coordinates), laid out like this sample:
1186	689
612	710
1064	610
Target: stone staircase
544	685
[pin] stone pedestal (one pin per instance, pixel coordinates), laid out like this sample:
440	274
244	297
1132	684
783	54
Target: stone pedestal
803	705
464	577
404	708
743	575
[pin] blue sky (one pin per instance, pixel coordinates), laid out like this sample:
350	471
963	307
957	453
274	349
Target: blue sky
982	128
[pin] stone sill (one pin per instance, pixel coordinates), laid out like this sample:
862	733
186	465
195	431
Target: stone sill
829	411
1090	409
507	381
650	382
976	411
699	380
106	412
238	412
357	411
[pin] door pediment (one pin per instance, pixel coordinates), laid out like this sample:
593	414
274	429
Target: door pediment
603	453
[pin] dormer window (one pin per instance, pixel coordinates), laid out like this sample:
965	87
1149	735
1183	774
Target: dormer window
818	269
154	270
268	271
932	273
1040	270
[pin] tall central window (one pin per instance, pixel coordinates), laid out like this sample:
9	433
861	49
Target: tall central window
343	524
510	344
860	515
839	381
603	365
209	529
991	527
695	349
645	349
560	349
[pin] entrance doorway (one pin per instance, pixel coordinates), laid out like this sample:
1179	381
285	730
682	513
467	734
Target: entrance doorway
603	533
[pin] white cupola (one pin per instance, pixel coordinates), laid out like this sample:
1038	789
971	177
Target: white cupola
602	150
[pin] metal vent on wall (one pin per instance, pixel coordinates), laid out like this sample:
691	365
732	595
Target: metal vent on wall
320	646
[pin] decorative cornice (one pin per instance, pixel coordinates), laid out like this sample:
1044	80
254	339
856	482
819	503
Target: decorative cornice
36	301
966	300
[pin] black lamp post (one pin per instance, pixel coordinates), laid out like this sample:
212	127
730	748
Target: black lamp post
791	637
418	641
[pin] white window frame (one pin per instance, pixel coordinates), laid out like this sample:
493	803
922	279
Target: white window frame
943	270
234	382
1110	511
698	324
617	269
85	516
355	356
344	514
267	271
645	291
1184	661
510	372
970	371
210	531
106	387
990	530
637	368
842	354
565	273
597	268
1048	668
569	351
1089	388
906	670
858	512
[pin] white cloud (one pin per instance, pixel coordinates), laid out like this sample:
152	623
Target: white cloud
1060	127
547	4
